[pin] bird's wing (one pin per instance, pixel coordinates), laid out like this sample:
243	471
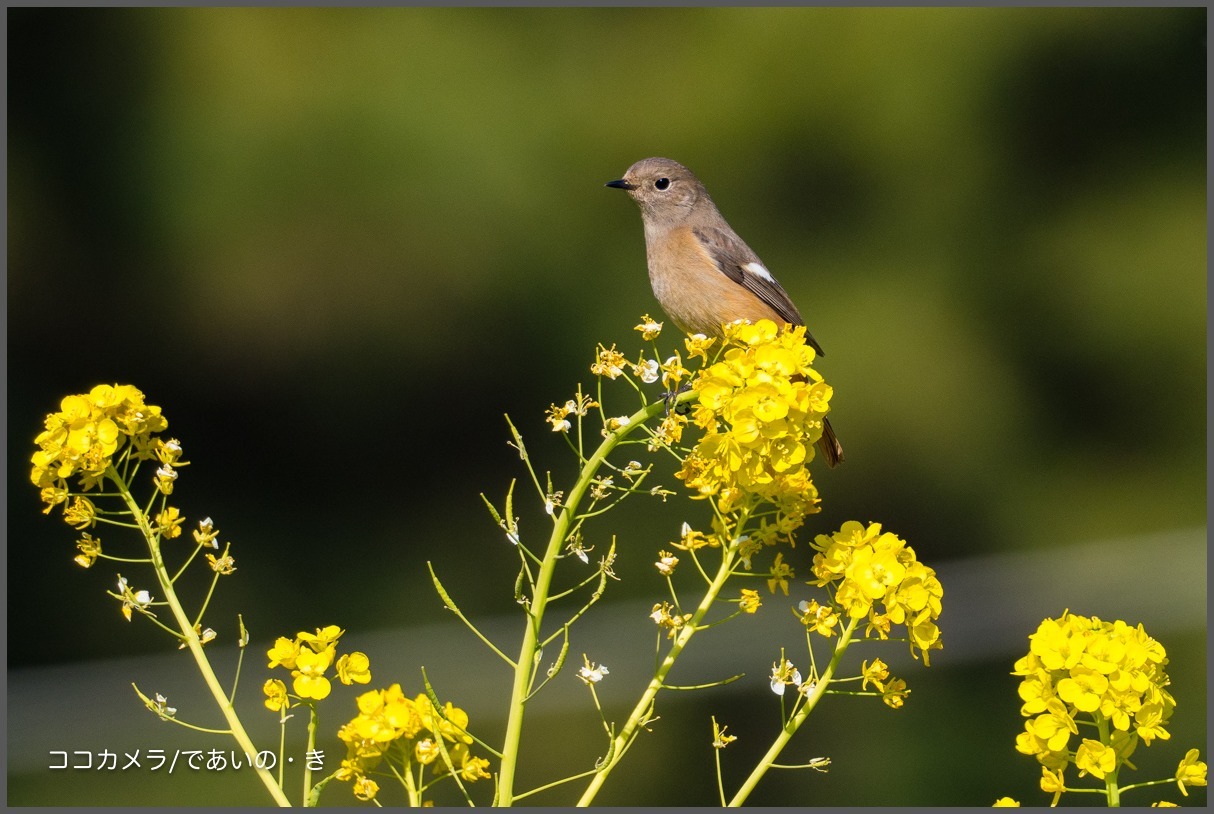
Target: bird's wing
740	264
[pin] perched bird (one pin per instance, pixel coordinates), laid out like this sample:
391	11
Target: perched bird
702	273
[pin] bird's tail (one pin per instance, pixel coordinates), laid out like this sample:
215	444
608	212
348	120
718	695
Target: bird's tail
828	444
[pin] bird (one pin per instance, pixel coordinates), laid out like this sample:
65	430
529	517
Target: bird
703	275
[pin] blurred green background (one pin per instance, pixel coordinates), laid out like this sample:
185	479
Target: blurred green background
337	245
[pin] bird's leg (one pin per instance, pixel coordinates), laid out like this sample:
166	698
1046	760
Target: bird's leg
670	396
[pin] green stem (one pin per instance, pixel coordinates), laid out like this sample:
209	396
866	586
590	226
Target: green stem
641	711
1110	780
405	776
192	641
524	668
795	722
716	754
313	717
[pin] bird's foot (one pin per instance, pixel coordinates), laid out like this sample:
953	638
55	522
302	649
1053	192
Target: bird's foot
669	399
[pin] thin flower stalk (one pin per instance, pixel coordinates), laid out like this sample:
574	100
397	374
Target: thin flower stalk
793	724
526	664
186	631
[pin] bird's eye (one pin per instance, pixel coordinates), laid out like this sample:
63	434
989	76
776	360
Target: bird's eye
661	183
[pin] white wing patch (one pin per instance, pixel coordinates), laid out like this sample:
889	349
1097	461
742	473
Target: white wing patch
758	270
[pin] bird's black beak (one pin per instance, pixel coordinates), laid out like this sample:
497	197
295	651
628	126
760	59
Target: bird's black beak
620	184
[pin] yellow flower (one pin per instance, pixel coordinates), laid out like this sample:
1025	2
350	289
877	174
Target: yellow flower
451	722
87	431
673	372
609	363
373	725
669	431
649	328
1053	783
1055	726
750	601
132	599
556	417
168	452
666	563
646	370
750	333
894	693
600	489
1083	688
924	634
1149	722
276	695
351	767
354	668
52	496
1191	771
1006	802
283	652
784	673
665	619
720	739
698	345
365	788
401	712
692	540
426	751
876	569
81	514
1095	758
206	533
919	588
473	768
781	573
1057	645
323	639
821	619
90	550
1111	673
1036	690
224	566
875	574
459	757
309	673
615	423
166	477
558	414
879	624
1027	742
168	523
877	672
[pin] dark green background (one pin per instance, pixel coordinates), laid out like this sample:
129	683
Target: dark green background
336	246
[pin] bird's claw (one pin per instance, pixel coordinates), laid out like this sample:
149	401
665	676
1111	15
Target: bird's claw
670	396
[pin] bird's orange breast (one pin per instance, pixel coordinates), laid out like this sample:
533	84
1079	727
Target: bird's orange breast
693	291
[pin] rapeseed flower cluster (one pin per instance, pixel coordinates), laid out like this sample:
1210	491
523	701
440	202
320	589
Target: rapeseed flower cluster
876	576
1082	670
411	730
95	436
761	407
86	433
309	656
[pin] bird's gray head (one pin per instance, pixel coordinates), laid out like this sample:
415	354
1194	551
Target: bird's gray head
664	189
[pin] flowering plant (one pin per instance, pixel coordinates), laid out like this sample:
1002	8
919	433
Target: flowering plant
89	454
1108	677
741	424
